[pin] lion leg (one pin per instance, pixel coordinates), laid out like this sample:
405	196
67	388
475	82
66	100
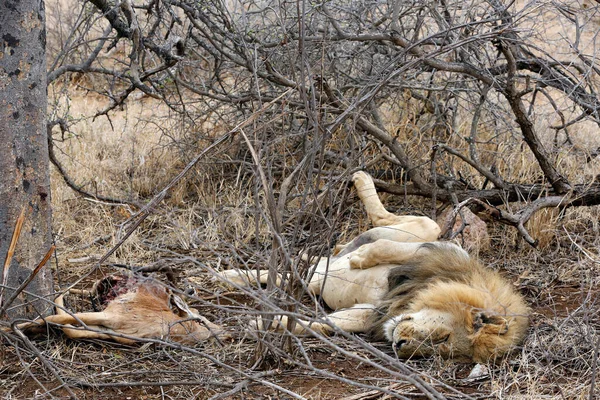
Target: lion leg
238	277
382	251
377	213
241	277
391	252
401	228
338	248
353	320
311	260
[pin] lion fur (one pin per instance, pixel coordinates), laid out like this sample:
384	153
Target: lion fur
443	277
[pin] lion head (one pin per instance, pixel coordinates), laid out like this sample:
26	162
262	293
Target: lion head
456	320
446	303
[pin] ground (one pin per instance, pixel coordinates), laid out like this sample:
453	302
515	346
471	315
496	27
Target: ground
557	359
208	225
216	219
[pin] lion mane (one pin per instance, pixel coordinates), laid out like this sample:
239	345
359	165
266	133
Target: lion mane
491	315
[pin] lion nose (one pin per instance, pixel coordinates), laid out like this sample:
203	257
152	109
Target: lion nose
398	344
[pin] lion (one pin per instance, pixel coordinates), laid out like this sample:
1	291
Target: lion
395	282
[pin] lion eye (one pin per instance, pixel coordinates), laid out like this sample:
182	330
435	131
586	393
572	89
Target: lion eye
441	340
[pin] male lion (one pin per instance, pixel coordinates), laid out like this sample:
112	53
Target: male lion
425	297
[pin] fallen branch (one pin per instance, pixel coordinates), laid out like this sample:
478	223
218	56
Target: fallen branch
582	195
520	218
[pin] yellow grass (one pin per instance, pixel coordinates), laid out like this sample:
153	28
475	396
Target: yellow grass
214	217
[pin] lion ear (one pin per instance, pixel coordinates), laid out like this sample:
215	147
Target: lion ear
491	323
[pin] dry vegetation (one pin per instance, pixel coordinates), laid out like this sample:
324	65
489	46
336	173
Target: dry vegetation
211	222
219	217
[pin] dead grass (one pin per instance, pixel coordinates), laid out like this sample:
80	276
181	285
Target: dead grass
214	221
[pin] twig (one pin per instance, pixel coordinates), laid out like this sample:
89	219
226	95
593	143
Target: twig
241	385
11	251
138	384
237	388
584	251
28	280
483	171
520	218
594	369
372	394
43	360
68	180
456	210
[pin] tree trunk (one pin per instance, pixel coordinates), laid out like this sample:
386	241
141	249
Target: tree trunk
24	168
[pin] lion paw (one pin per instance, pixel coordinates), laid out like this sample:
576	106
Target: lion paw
362	180
277	324
361	258
233	277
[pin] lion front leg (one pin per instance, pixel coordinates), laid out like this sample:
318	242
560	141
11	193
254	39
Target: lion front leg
353	320
382	251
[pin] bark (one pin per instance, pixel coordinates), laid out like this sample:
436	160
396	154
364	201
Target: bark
24	168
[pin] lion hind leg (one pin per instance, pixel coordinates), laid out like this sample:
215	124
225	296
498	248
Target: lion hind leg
247	278
365	189
383	252
401	228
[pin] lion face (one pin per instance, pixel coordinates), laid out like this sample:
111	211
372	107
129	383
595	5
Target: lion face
428	332
474	335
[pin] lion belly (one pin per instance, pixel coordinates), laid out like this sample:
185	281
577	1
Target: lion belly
344	287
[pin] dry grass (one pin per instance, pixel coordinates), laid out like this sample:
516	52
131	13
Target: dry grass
215	220
211	225
212	222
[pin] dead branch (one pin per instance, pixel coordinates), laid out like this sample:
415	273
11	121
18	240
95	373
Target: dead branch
10	253
473	163
558	182
27	281
67	179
